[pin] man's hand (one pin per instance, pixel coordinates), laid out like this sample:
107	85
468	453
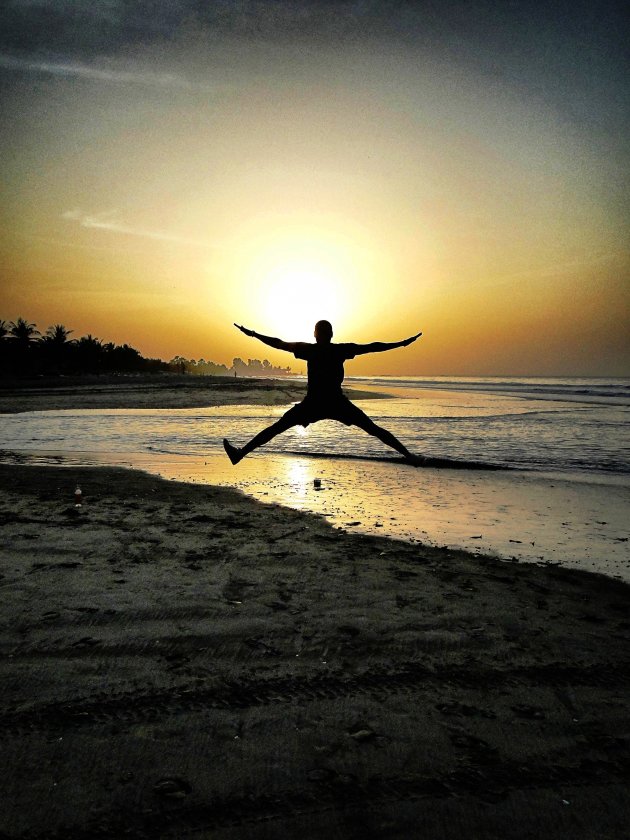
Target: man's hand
409	341
243	329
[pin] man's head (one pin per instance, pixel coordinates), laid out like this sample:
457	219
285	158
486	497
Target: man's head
323	332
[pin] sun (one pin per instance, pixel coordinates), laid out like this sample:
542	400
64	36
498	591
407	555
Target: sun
297	293
281	278
294	281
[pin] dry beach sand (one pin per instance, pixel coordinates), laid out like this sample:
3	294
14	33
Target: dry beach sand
182	661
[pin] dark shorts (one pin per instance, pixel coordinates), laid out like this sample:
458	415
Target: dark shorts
339	408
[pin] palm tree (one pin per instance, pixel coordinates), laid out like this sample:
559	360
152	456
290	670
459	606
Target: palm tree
23	332
89	353
55	348
22	337
57	335
4	350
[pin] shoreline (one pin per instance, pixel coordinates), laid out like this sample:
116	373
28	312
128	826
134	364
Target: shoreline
153	391
203	662
516	516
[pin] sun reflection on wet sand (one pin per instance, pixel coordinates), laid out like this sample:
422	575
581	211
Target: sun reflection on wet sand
298	477
527	516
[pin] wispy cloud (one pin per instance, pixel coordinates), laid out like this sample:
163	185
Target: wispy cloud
111	223
73	245
108	75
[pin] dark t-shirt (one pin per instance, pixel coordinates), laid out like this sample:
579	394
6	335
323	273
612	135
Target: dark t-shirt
325	366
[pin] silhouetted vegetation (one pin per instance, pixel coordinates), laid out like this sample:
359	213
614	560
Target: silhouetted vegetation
25	352
252	367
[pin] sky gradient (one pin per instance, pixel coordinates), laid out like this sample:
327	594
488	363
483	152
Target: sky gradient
455	168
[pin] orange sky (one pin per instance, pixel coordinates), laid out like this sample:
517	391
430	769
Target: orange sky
158	191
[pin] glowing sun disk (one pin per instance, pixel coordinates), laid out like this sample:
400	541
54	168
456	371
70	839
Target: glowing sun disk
297	294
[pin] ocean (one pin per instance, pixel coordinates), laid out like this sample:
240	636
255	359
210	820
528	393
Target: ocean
543	436
565	425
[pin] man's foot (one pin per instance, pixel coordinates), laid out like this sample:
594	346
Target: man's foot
233	452
416	460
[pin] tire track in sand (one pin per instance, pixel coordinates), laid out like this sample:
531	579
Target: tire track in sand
136	706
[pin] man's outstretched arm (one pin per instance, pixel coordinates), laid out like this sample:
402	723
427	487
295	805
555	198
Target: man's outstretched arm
380	346
276	343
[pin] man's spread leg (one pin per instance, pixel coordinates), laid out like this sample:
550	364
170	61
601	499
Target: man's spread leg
361	420
291	418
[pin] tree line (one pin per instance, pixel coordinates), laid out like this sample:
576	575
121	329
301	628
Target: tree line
25	351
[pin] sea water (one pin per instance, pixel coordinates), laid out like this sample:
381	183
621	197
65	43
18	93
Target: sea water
560	446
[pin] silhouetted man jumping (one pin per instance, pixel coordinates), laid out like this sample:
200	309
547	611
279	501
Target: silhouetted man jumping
324	398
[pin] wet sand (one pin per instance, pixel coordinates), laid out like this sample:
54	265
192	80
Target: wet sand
516	515
180	660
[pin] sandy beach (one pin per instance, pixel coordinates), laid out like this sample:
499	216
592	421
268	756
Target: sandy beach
180	660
